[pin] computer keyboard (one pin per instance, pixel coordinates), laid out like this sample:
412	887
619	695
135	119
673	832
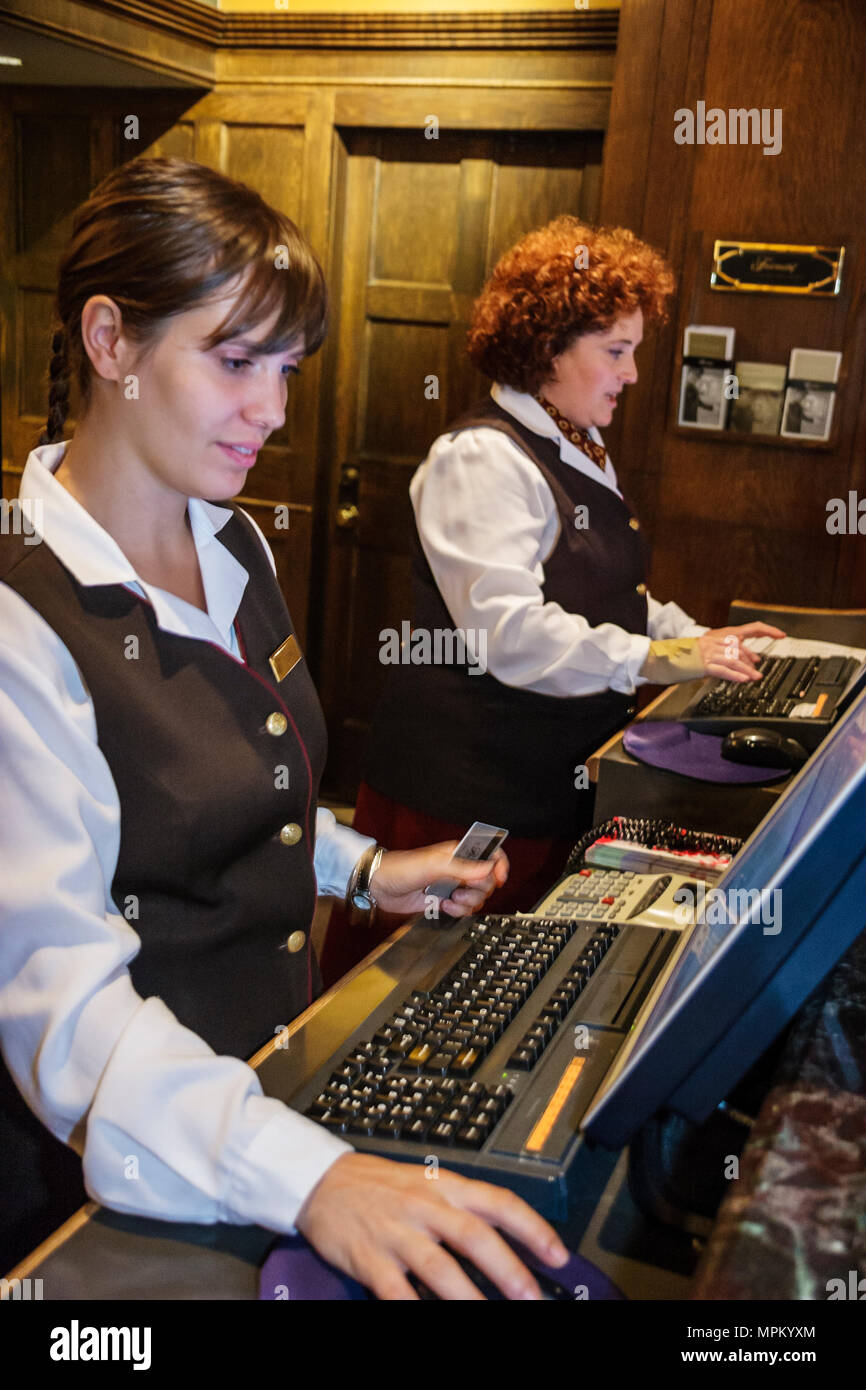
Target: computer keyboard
801	691
787	682
487	1054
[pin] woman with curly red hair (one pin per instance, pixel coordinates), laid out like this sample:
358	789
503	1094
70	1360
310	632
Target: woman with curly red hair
526	545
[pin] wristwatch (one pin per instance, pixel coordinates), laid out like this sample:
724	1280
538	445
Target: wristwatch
360	903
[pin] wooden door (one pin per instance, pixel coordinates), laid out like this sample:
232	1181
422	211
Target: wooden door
418	226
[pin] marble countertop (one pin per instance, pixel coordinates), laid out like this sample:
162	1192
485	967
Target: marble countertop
793	1225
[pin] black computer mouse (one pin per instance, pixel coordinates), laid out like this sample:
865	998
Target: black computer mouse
763	748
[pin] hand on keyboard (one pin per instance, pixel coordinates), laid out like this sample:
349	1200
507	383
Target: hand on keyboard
379	1221
727	658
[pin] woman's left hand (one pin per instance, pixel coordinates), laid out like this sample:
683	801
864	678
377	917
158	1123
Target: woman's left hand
399	882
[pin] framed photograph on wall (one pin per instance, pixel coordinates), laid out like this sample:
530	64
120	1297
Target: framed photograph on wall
702	397
810	394
757	408
708	351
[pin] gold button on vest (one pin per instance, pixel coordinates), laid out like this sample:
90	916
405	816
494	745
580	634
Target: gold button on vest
296	941
634	523
640	589
276	724
291	833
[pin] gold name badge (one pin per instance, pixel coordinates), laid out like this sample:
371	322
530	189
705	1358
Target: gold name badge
285	658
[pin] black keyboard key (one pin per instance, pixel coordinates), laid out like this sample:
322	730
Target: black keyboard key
363	1093
461	1035
489	1111
363	1124
331	1120
396	1084
470	1137
442	1133
439	1064
464	1104
448	1087
349	1070
832	669
806	679
389	1128
524	1058
417	1129
424	1084
473	1090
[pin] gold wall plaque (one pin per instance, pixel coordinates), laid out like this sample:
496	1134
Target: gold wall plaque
759	267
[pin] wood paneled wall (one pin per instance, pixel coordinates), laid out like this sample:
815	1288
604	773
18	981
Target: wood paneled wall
739	517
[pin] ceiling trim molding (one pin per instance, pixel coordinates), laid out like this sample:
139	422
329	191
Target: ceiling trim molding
596	30
547	29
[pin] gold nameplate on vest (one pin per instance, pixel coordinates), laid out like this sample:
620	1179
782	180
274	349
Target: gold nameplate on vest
285	658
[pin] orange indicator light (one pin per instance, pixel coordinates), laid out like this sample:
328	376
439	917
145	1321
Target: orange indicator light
550	1115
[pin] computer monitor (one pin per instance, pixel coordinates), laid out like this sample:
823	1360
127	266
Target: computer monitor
790	904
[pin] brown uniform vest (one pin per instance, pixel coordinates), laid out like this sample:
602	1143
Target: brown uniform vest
465	747
203	875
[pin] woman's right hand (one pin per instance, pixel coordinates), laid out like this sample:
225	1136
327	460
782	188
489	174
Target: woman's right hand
378	1220
725	656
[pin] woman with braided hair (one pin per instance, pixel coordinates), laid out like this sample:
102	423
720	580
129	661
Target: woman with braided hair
158	879
525	543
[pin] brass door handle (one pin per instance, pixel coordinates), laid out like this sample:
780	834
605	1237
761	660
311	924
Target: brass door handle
348	512
347	517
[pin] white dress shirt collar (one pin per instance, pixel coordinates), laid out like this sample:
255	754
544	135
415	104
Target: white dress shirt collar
527	410
94	557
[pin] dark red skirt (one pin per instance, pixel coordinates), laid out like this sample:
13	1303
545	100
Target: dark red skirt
535	865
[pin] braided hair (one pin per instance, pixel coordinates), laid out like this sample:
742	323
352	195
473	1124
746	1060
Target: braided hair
58	392
162	236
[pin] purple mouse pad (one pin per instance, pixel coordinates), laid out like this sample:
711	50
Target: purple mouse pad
670	745
294	1271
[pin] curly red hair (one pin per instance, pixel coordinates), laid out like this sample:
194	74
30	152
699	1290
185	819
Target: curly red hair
557	282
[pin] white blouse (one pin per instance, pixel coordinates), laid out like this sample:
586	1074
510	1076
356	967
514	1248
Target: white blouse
487	522
116	1075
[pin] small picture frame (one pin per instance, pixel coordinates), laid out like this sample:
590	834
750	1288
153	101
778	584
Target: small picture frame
702	395
810	394
808	412
757	408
